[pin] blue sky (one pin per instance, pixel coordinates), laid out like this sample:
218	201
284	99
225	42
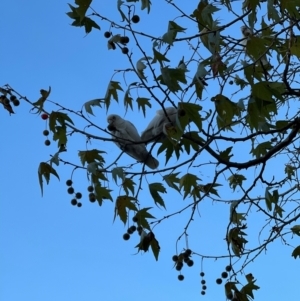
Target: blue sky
51	250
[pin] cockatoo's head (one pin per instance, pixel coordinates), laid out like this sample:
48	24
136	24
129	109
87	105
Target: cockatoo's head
246	31
113	122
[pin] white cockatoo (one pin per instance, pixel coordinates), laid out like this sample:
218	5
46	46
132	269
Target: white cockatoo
247	33
156	129
126	136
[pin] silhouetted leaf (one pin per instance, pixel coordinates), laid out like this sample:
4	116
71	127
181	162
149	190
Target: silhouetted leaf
45	170
155	188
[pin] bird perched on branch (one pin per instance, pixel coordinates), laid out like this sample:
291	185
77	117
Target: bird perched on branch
156	129
128	138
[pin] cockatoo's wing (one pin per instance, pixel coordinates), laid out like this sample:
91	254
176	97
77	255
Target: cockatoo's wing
154	130
126	135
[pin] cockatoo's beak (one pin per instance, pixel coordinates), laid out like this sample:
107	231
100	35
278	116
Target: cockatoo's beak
111	126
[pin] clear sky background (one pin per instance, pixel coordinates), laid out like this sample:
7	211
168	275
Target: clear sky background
51	250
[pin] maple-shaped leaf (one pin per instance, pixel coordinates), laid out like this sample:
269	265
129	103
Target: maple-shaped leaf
169	147
128	99
155	188
226	110
92	103
112	91
45	170
102	193
159	57
91	156
60	135
142	216
236	180
58	125
250	286
116	173
172	181
128	184
82	8
171	77
188	182
170	35
189	112
142	103
209	188
124	203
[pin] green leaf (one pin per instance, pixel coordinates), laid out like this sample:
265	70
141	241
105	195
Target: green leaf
296	229
128	99
256	47
118	172
92	103
172	181
268	199
237	241
112	91
292	7
45	170
209	188
249	288
91	156
236	180
102	193
272	12
170	35
191	139
142	103
127	185
169	147
203	19
159	57
278	210
142	216
226	154
187	182
155	247
146	5
155	188
171	77
58	118
60	135
262	90
124	203
226	110
89	24
190	112
290	171
83	6
296	252
261	149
